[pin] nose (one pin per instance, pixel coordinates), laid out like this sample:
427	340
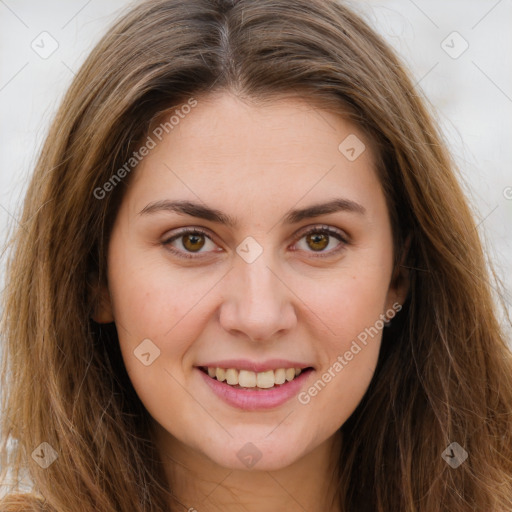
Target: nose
257	303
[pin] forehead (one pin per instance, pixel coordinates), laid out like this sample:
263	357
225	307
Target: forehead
228	149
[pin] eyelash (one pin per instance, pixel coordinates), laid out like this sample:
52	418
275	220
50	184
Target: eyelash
316	229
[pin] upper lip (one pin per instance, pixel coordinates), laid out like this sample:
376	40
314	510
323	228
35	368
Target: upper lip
263	366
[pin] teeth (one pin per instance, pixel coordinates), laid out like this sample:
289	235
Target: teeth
248	379
280	376
232	376
265	379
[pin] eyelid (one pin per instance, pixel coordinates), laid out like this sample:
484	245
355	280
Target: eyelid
186	231
323	227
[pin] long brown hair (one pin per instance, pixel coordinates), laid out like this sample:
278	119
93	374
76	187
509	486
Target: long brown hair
444	373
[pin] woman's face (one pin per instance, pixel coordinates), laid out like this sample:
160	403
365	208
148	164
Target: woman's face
252	241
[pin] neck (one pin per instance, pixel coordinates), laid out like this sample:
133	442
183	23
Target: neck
199	484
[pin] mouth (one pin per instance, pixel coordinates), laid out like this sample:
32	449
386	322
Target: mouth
254	381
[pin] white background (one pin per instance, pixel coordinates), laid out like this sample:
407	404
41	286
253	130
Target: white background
471	95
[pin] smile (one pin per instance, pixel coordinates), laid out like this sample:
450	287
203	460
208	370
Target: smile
243	379
254	390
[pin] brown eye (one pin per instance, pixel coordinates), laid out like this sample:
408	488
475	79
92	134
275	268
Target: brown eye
320	238
193	242
317	241
189	243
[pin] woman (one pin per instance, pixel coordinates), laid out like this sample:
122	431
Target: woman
246	278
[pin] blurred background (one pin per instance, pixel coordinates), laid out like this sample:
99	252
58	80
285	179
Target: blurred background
456	50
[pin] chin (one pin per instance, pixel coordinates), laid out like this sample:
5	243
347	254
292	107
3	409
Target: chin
256	455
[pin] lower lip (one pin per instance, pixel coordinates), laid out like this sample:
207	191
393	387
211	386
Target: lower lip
253	399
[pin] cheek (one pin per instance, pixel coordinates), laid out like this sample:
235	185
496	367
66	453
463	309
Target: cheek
349	354
152	303
166	309
347	312
346	302
151	299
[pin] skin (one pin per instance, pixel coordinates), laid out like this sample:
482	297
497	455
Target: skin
253	162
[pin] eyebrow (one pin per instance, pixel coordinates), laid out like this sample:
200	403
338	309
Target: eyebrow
214	215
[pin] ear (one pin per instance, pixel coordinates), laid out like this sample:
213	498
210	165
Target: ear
100	300
400	283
